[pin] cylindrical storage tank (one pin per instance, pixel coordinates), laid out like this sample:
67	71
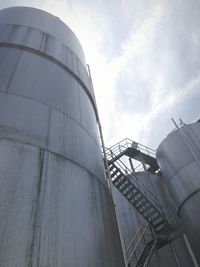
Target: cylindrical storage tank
55	206
179	160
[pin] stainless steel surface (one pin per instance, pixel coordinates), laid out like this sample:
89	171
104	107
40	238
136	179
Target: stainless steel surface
44	23
55	206
179	159
130	221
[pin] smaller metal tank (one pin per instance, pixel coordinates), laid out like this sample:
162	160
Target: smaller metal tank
179	160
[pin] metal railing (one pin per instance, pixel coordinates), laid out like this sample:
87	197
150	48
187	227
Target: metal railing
151	197
134	250
164	210
138	184
177	126
120	147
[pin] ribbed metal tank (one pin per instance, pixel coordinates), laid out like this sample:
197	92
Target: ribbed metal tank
179	160
55	206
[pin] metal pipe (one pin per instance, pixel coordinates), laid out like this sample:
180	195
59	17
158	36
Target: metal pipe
187	243
131	164
134	237
142	234
174	254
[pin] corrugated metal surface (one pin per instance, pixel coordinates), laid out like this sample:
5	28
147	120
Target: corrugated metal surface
179	159
55	207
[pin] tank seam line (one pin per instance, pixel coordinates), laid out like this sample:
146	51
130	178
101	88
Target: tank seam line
183	167
50	107
57	62
185	200
42	31
57	154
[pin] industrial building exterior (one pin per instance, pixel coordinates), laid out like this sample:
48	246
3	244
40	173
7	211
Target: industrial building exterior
63	203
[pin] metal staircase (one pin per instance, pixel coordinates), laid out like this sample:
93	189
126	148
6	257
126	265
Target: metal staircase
142	199
141	247
146	253
137	198
133	150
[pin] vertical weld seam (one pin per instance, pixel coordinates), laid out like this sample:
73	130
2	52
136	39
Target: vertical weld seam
36	211
14	71
48	126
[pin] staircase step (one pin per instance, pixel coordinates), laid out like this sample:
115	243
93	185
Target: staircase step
144	209
154	214
114	172
118	180
126	190
133	194
111	167
125	184
146	215
140	202
149	210
121	184
128	195
140	205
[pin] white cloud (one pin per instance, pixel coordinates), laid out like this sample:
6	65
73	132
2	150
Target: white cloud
122	125
139	40
137	55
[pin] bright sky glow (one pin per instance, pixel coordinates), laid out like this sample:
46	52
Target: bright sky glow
144	60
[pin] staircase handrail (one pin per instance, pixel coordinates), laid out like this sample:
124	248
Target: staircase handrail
128	143
165	210
138	242
150	253
141	186
135	236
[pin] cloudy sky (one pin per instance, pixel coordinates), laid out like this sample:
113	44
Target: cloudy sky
144	57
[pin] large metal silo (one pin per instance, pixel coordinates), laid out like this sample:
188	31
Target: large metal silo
55	206
179	159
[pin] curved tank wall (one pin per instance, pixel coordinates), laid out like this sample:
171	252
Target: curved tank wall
55	206
179	160
130	221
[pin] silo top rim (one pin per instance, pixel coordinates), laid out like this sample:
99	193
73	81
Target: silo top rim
173	133
43	21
